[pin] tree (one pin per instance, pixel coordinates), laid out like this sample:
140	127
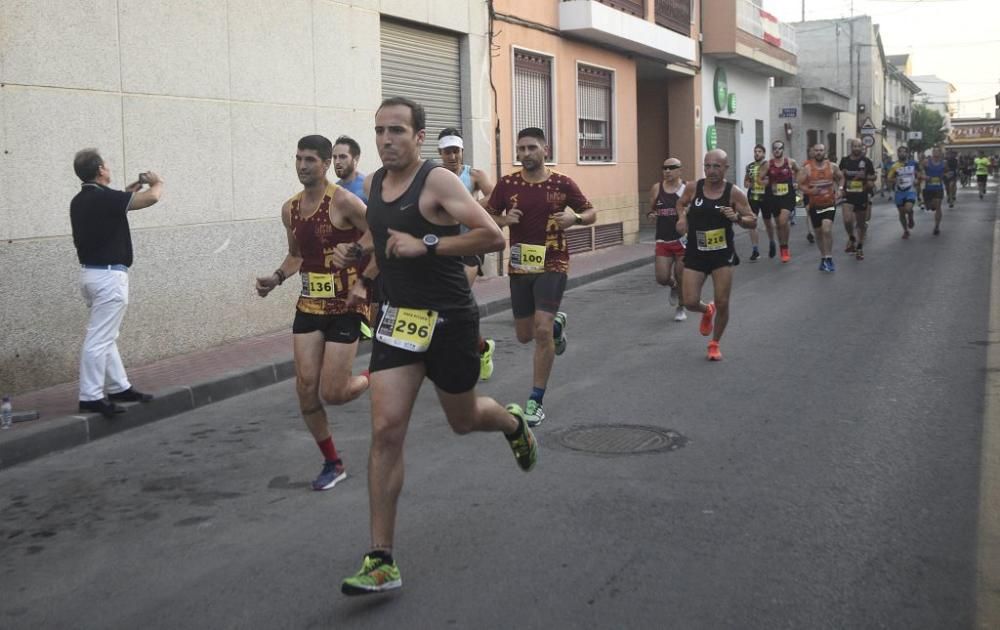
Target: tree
929	123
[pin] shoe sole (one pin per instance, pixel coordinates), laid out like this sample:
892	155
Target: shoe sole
330	485
561	348
350	589
486	372
701	326
534	440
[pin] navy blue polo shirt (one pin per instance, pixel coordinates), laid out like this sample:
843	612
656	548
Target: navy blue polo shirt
99	216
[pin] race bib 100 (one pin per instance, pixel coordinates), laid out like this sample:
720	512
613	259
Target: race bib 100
711	240
407	328
527	258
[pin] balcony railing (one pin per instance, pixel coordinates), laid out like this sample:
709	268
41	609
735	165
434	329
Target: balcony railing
763	25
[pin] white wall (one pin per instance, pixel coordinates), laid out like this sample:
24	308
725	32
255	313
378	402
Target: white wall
752	104
213	96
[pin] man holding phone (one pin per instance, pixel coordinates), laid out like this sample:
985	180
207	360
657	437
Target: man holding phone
99	218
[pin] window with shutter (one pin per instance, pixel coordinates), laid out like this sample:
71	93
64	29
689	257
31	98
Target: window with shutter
632	7
533	93
594	100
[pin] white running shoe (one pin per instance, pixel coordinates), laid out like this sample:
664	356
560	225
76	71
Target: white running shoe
680	315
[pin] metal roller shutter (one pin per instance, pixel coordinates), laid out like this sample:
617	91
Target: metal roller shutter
424	65
728	131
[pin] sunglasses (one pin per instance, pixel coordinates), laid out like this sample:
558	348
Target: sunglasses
671	167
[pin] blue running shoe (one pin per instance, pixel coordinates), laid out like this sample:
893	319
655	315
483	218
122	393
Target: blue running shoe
332	474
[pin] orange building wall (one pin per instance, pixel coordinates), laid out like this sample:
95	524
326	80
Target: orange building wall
612	188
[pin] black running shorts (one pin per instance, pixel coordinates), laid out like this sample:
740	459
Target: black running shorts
760	207
530	292
451	361
818	215
857	201
774	205
931	195
707	263
341	328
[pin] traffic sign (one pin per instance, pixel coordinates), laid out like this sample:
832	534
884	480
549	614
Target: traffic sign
868	124
868	141
868	133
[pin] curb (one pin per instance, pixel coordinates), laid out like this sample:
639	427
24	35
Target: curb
67	432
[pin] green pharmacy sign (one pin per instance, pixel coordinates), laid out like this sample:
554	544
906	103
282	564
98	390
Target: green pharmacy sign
711	138
732	103
721	89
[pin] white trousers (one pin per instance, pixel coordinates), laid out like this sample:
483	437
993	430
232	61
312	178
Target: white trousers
106	293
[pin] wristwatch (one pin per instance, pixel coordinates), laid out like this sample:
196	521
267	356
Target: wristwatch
431	242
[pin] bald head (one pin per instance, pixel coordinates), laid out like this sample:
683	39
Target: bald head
716	163
717	154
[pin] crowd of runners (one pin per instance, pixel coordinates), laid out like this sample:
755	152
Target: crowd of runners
393	255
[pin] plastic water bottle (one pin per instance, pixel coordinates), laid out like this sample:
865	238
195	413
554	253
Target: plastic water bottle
6	413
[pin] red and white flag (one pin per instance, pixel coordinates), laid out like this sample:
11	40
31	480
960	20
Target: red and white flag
772	32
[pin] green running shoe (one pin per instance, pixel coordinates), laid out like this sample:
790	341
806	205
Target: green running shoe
486	361
366	331
525	447
375	576
561	340
533	413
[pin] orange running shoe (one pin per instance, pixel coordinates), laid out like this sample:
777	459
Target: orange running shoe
713	351
706	320
785	254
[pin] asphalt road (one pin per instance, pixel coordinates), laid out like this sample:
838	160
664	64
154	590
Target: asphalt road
824	475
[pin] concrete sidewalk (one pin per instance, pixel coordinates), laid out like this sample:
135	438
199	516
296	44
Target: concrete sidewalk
192	380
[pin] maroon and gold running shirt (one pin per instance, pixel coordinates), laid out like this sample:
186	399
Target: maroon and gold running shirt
325	286
539	203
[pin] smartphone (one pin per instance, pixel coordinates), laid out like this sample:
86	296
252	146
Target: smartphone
142	178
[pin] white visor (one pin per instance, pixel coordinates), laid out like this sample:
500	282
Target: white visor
450	141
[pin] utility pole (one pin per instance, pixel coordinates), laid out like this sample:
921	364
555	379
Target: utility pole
804	11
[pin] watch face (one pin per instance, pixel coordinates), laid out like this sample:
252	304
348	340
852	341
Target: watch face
431	240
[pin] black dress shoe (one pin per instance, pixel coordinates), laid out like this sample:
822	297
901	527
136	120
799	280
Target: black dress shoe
103	407
130	395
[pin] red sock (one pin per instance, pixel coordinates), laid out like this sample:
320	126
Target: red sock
482	345
367	375
328	449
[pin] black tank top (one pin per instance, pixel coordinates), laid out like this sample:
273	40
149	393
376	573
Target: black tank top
666	214
432	282
710	233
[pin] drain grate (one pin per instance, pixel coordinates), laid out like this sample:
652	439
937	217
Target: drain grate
621	439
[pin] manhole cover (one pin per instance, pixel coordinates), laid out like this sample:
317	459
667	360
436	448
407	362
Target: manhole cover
621	439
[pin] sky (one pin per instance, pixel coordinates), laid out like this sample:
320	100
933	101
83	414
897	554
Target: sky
957	40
